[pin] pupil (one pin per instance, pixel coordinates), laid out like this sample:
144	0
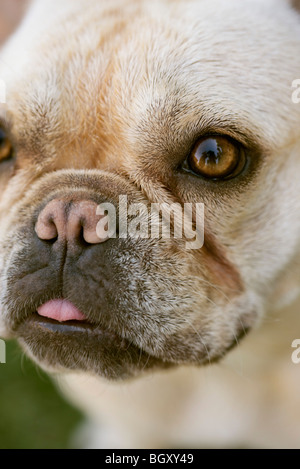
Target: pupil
2	137
211	157
210	151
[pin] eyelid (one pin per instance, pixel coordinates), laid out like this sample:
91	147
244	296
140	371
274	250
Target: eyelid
233	126
226	135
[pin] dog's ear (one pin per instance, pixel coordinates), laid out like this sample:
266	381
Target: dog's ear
296	4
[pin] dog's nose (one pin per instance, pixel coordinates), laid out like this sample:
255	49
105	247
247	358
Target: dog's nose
69	221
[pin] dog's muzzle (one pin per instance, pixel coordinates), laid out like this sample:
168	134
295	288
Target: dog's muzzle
69	294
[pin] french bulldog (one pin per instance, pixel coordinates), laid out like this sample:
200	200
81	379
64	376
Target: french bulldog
165	102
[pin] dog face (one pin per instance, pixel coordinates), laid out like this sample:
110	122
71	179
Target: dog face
174	102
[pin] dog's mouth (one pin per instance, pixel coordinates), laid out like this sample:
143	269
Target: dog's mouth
63	317
60	337
78	330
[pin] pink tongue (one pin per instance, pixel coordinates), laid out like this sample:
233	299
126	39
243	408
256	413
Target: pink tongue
60	310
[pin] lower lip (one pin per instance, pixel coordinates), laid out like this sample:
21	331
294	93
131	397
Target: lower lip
83	346
74	328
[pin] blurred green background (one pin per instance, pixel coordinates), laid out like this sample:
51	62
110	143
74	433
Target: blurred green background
33	415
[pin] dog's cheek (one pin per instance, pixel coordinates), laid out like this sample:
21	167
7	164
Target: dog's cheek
5	332
207	332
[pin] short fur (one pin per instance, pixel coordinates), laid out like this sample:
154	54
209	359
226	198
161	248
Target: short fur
107	98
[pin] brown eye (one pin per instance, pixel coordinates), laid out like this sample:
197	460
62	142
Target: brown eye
6	148
216	157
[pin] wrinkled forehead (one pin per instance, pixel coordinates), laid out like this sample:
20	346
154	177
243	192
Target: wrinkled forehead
168	65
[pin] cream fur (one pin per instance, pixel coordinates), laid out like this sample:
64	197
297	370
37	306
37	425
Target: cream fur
162	71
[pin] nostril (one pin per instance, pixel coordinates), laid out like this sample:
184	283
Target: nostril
80	238
49	241
46	229
71	221
90	236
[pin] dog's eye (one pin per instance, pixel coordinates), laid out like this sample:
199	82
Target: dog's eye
6	148
216	157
